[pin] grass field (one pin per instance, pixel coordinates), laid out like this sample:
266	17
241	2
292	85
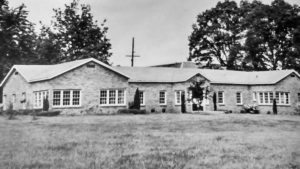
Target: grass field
151	141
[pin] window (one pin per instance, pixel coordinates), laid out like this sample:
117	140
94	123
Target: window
142	98
4	102
66	98
56	98
221	97
112	97
103	97
298	97
239	98
76	97
282	98
178	97
23	96
38	98
162	97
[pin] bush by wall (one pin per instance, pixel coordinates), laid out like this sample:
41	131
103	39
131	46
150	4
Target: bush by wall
131	111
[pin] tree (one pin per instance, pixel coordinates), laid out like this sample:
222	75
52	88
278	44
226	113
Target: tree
45	104
183	108
136	100
215	101
78	35
269	37
17	37
274	107
216	36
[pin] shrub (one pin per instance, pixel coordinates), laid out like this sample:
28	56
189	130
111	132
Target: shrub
163	110
10	112
131	111
215	101
274	107
48	113
136	102
153	110
252	109
45	104
183	108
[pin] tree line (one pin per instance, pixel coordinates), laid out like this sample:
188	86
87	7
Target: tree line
247	36
73	34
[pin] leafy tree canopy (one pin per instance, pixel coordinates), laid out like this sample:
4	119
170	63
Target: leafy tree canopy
251	36
77	34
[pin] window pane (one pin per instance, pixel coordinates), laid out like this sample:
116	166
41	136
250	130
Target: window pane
261	97
178	97
282	98
238	98
142	98
266	96
56	98
121	99
277	97
162	97
103	95
271	97
287	98
76	97
66	98
220	97
112	97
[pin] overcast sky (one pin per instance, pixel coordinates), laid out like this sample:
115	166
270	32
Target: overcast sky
160	27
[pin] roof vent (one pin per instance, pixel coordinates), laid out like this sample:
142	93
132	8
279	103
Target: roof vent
16	73
90	65
292	75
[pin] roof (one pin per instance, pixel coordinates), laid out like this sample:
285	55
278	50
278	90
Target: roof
34	73
187	64
172	75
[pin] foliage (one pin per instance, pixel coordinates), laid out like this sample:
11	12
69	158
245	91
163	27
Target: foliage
199	91
183	107
251	36
250	108
11	112
274	107
77	34
48	113
45	104
17	37
136	102
131	111
215	101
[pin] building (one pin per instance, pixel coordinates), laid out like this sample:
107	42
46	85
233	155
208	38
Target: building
90	85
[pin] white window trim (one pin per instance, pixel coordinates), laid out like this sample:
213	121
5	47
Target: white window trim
241	98
274	97
116	101
165	100
180	93
71	98
144	100
42	98
223	94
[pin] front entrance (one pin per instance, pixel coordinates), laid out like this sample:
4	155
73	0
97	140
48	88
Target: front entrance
196	107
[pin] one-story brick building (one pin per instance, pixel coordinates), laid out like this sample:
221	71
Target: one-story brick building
88	84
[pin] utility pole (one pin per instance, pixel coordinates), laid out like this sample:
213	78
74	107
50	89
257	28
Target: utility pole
132	53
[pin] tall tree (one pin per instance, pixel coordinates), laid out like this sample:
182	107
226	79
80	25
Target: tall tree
269	37
17	37
216	36
79	35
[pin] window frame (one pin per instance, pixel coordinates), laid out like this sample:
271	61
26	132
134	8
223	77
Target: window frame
241	98
142	100
176	96
165	97
61	99
38	102
116	97
223	98
282	98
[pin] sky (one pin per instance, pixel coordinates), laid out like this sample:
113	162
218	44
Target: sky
160	27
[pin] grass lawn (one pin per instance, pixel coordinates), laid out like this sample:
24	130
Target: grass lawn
151	141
